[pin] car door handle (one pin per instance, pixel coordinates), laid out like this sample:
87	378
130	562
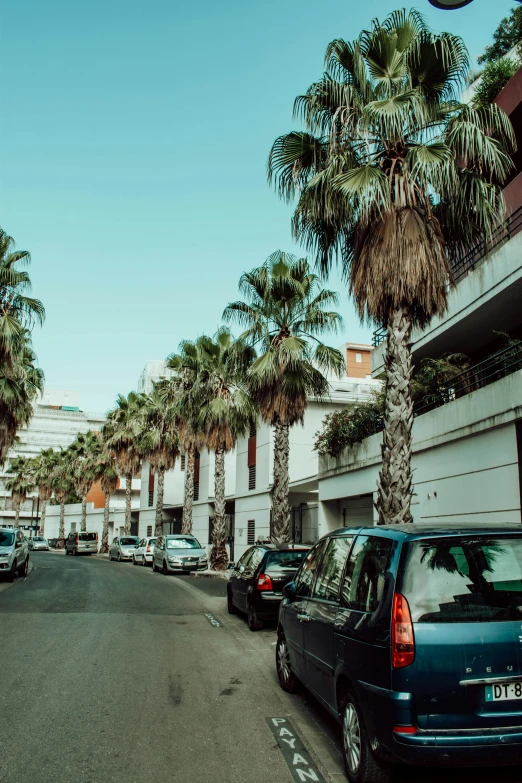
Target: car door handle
303	618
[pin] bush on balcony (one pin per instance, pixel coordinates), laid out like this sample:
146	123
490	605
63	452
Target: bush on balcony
349	426
495	76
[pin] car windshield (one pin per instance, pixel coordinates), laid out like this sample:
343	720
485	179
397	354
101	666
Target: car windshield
6	538
129	541
38	538
464	579
151	540
86	536
286	559
183	543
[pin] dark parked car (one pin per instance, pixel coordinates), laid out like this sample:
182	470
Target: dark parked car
412	639
52	542
257	580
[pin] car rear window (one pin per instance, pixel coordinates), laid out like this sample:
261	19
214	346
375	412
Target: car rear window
286	559
464	579
86	536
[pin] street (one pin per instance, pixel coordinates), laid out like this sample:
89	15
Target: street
112	673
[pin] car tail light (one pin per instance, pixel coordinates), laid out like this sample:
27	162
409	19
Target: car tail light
405	729
76	537
96	536
264	582
148	547
403	642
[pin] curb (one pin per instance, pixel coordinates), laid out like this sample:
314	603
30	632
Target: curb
211	575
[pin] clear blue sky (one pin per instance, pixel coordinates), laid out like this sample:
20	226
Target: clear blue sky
134	138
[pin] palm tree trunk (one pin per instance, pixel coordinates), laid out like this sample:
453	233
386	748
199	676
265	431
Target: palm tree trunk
280	496
84	513
42	516
395	479
128	502
186	522
218	554
159	502
61	533
105	533
17	515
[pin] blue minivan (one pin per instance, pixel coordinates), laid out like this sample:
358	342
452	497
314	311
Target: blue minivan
412	638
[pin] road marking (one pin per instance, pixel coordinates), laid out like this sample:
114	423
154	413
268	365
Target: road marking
297	758
214	622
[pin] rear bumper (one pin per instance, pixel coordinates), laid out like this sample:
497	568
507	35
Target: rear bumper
384	709
267	605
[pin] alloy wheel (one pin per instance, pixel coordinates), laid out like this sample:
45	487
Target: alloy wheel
283	660
352	738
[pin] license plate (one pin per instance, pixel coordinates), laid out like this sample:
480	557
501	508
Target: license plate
505	691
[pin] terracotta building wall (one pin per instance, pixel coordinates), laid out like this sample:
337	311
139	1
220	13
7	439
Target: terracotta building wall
96	496
355	369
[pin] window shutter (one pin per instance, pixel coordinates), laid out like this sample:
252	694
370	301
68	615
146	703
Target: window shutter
196	490
149	530
252	477
210	530
251	532
183	461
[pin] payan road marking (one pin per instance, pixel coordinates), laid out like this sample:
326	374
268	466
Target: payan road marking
297	758
214	622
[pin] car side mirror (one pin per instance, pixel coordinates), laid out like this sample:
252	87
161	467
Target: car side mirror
18	545
289	591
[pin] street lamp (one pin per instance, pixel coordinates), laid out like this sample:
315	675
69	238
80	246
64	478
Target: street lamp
449	5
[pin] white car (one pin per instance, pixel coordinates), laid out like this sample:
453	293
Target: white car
38	542
144	551
14	553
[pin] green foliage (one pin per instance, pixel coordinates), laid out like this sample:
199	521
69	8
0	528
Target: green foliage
350	426
505	37
495	76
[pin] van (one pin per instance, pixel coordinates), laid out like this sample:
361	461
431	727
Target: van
81	543
412	638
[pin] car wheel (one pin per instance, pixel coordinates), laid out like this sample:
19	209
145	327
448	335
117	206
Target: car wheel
287	679
110	556
254	623
165	568
75	552
230	602
143	561
134	560
12	573
24	569
119	557
362	766
154	567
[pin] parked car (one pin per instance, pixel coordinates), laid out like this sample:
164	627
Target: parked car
411	638
81	543
142	554
52	542
14	553
122	548
178	554
38	542
257	580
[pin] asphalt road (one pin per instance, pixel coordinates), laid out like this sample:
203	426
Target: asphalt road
111	673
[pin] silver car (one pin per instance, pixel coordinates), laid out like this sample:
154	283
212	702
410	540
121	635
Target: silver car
38	542
14	553
178	554
143	552
123	547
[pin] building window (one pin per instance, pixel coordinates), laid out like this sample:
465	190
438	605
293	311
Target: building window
211	530
196	490
251	531
252	477
358	358
151	498
182	462
149	530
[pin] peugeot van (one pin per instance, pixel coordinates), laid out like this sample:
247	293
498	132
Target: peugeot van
81	543
412	638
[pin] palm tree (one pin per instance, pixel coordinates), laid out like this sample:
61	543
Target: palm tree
105	471
397	179
121	434
185	367
159	441
285	312
20	484
226	413
43	466
83	452
63	485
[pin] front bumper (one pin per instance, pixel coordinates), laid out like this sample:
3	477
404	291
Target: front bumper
384	709
5	565
175	568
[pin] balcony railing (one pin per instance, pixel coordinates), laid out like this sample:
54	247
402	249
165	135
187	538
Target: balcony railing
495	367
473	258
